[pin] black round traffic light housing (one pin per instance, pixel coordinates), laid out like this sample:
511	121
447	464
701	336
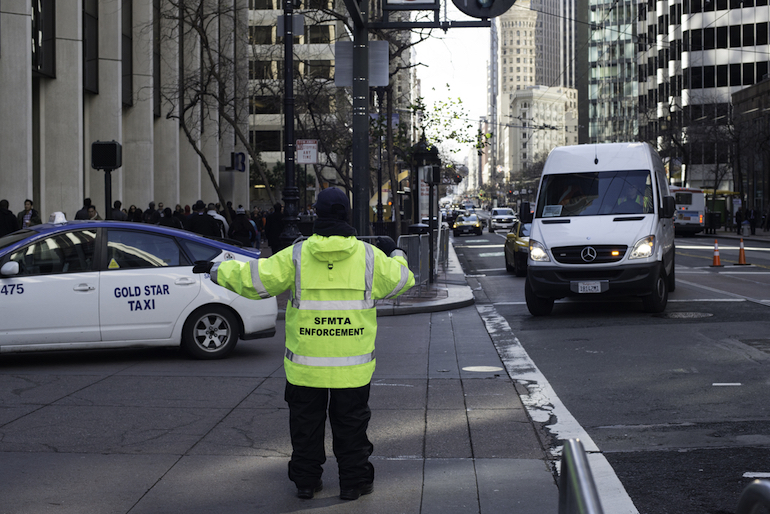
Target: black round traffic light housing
483	8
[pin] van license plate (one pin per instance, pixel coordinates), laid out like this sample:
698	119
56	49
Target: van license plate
589	287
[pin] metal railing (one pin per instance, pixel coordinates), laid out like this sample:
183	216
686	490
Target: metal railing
577	491
755	498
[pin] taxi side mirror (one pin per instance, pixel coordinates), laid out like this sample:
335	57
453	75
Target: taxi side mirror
10	269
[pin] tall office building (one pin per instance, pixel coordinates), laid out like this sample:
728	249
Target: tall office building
612	74
555	42
79	71
693	56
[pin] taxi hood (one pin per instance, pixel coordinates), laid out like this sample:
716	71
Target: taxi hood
332	248
598	230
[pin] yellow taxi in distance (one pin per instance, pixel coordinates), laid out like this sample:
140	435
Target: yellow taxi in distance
467	224
516	248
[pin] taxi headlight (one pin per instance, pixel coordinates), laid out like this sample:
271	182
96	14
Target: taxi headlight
454	226
477	224
643	248
537	252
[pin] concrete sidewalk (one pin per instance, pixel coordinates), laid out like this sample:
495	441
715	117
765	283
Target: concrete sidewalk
147	431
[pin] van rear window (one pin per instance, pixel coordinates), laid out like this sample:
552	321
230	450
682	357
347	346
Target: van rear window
595	193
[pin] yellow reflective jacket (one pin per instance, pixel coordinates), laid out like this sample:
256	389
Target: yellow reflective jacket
331	320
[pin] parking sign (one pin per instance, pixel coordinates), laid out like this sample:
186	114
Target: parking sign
307	151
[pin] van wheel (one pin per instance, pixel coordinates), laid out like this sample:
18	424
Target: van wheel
537	306
657	300
211	332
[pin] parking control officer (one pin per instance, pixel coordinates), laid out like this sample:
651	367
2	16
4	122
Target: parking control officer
331	325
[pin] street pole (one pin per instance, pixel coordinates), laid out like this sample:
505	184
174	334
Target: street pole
380	93
290	192
361	123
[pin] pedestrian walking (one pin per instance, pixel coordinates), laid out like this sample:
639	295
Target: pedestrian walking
224	227
331	324
274	228
752	216
28	216
201	223
8	221
82	214
739	221
117	212
242	230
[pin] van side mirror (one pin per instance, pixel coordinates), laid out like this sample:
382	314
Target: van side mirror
669	207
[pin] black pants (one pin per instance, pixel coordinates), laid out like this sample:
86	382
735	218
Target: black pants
349	416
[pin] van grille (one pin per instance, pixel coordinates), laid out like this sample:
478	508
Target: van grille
601	254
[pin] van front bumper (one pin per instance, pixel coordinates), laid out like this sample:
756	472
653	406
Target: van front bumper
559	281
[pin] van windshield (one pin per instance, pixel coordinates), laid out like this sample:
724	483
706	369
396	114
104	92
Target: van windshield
595	193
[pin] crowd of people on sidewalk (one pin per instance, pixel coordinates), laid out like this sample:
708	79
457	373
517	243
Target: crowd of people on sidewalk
753	218
248	228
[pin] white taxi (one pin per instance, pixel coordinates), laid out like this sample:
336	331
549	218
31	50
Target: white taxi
110	284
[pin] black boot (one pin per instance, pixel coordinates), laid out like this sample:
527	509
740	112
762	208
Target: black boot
307	493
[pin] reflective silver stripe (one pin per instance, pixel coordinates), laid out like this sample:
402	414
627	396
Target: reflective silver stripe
369	279
329	361
213	272
256	281
335	305
296	257
398	252
401	283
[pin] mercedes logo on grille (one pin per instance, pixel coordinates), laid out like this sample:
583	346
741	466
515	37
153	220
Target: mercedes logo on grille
588	254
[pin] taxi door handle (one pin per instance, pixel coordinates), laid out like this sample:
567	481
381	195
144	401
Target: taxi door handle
83	287
185	281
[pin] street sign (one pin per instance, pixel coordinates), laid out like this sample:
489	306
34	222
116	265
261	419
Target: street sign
307	151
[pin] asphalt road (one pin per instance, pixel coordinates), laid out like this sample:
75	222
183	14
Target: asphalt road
677	402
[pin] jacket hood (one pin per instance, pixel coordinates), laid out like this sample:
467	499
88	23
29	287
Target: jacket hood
332	248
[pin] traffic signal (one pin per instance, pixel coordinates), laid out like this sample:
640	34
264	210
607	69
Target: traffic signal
483	8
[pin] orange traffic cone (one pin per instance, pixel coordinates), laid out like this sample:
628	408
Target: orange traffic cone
717	263
742	256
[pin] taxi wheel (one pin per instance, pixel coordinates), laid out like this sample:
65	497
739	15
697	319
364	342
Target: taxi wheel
210	332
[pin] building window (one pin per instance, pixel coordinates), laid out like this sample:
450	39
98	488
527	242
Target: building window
265	140
722	75
262	5
44	38
748	34
721	37
319	34
261	35
265	105
127	53
735	36
91	46
319	69
748	73
761	34
735	74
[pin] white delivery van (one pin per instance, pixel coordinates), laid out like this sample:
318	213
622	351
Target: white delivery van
602	226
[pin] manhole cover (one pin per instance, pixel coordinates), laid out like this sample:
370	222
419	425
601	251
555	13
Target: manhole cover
686	315
483	369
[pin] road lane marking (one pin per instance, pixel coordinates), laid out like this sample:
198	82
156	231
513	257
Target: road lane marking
726	384
714	290
490	269
756	474
545	408
480	246
491	254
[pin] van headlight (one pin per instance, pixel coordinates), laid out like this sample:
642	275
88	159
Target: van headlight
643	248
537	252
